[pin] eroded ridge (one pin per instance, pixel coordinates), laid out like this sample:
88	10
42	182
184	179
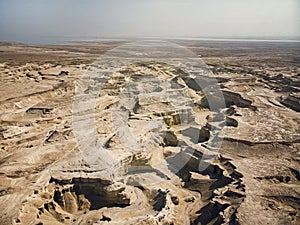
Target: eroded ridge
173	159
158	167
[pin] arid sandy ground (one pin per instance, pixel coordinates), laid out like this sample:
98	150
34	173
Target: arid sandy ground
254	179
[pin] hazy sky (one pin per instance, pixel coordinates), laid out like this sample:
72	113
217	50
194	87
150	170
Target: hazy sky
25	20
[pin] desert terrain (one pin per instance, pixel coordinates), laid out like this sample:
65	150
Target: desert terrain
94	135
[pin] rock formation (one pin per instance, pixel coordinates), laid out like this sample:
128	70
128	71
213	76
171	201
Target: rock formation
157	123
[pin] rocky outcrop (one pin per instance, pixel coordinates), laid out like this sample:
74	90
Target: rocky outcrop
292	101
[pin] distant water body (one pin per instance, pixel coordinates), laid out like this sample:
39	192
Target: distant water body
74	40
240	40
61	40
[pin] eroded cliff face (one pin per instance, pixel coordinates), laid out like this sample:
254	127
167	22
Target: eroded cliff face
154	122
